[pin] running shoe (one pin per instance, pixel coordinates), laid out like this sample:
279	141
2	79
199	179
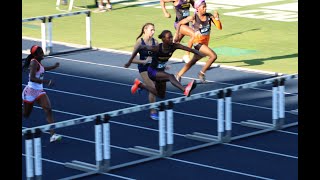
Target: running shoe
135	86
55	137
109	7
154	116
191	85
202	77
64	2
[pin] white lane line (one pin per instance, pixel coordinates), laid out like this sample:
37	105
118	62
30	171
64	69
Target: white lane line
259	150
217	168
119	67
122	84
61	163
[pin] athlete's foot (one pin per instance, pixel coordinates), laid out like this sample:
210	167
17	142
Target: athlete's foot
186	58
55	137
109	7
202	77
191	85
154	116
64	2
135	86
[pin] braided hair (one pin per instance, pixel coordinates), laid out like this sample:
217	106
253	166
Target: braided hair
35	51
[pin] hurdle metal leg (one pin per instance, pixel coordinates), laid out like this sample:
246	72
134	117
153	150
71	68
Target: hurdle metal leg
29	155
211	138
101	164
162	138
277	109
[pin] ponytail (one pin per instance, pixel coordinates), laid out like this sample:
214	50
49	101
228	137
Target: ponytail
27	62
143	28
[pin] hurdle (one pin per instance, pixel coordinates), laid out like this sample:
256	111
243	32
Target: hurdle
46	32
166	129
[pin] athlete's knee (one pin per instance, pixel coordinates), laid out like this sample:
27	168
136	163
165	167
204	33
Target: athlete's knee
171	76
213	57
47	110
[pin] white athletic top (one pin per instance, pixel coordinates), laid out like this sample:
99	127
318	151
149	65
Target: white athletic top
39	74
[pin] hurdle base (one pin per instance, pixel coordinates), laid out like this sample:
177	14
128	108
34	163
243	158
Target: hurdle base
227	137
204	137
82	166
257	124
169	150
144	151
106	165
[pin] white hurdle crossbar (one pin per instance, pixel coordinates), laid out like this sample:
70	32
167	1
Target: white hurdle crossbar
102	132
46	31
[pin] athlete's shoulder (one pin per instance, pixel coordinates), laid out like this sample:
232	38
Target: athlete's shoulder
139	40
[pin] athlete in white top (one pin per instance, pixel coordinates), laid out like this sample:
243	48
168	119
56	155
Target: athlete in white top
34	92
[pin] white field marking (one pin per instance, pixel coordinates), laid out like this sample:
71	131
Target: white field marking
217	168
224	2
119	67
244	2
61	163
210	7
285	7
171	59
267	14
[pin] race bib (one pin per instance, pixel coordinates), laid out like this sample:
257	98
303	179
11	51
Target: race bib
161	65
185	13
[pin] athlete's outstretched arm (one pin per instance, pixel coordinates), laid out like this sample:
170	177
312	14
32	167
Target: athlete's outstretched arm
48	68
164	9
135	52
183	21
216	20
194	51
135	60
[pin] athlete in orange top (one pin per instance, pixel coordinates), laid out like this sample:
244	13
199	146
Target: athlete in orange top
202	22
